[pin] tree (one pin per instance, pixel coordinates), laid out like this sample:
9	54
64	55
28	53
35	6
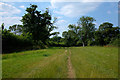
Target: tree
69	38
2	26
56	38
87	29
16	28
105	25
72	35
66	37
108	32
74	28
55	33
98	38
37	23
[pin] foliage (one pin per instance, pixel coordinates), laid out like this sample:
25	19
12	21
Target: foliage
71	37
82	33
11	42
56	41
16	28
88	28
115	42
37	23
98	38
37	28
2	26
85	33
107	33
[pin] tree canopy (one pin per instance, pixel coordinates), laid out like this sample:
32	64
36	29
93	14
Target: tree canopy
37	23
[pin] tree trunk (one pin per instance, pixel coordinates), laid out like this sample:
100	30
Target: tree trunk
83	44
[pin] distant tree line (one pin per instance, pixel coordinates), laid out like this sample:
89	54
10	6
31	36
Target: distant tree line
37	27
85	34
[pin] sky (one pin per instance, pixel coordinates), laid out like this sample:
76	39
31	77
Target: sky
66	12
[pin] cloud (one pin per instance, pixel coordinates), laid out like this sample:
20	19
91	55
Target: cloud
10	21
108	12
53	1
94	0
61	22
23	7
8	10
7	13
62	26
59	17
73	9
95	23
60	0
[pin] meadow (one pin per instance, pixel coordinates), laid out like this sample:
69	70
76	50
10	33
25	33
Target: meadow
64	62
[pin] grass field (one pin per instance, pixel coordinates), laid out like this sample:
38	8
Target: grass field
76	62
95	62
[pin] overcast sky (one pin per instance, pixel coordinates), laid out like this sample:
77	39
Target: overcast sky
66	12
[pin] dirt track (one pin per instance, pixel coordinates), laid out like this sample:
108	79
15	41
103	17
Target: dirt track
71	72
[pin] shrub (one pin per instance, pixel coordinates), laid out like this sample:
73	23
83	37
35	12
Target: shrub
13	43
115	42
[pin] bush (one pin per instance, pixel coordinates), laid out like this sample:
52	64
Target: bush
12	43
79	43
39	45
46	55
115	42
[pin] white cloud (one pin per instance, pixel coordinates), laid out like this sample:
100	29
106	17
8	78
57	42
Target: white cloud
60	0
59	22
59	17
73	9
82	0
10	21
62	26
108	12
23	7
7	13
8	10
95	23
93	0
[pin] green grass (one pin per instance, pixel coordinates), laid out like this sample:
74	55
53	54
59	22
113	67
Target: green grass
95	62
30	64
87	62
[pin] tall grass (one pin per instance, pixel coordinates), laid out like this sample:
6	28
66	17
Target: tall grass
44	63
95	62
